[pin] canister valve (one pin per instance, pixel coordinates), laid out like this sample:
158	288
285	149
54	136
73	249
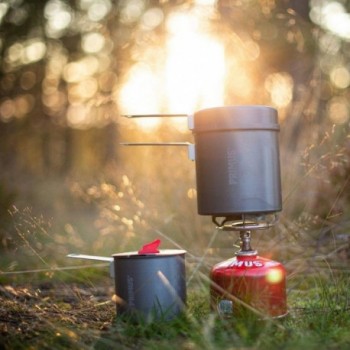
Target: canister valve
246	249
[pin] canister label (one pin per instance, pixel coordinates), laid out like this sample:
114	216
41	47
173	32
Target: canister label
247	263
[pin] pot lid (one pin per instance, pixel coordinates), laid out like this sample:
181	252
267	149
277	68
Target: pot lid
248	117
161	253
150	250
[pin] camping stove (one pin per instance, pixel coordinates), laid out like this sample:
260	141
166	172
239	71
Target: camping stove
236	154
238	180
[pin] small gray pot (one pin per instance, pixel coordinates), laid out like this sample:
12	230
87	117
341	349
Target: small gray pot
150	286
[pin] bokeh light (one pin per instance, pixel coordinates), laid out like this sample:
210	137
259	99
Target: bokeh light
96	9
25	52
152	18
59	16
34	51
194	69
80	70
3	10
331	15
140	94
274	275
338	110
340	77
92	42
78	115
132	11
16	108
280	87
189	74
7	109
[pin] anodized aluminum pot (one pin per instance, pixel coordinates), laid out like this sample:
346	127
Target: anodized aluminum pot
150	286
237	160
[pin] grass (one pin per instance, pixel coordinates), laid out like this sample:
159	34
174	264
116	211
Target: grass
59	313
62	316
68	304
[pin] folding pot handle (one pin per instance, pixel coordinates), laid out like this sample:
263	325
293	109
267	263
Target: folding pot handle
98	258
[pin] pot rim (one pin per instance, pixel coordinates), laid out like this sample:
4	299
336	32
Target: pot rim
162	253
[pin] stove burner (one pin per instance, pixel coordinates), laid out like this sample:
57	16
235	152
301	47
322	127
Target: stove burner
245	222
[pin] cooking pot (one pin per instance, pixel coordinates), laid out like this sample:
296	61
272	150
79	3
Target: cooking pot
150	284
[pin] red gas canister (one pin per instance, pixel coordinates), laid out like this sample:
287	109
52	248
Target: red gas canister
249	282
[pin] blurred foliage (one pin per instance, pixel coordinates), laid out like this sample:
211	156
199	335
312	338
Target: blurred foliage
6	201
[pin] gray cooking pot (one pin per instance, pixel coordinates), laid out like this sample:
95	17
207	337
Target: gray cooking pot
152	286
147	286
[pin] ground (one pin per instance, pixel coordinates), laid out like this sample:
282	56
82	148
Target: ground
54	310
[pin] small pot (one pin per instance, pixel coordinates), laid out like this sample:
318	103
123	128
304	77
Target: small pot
150	286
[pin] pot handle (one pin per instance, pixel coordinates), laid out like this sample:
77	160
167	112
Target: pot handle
94	257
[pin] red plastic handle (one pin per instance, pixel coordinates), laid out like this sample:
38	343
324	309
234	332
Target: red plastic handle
150	248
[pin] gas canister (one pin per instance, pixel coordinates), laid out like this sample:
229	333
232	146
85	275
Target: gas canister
249	282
